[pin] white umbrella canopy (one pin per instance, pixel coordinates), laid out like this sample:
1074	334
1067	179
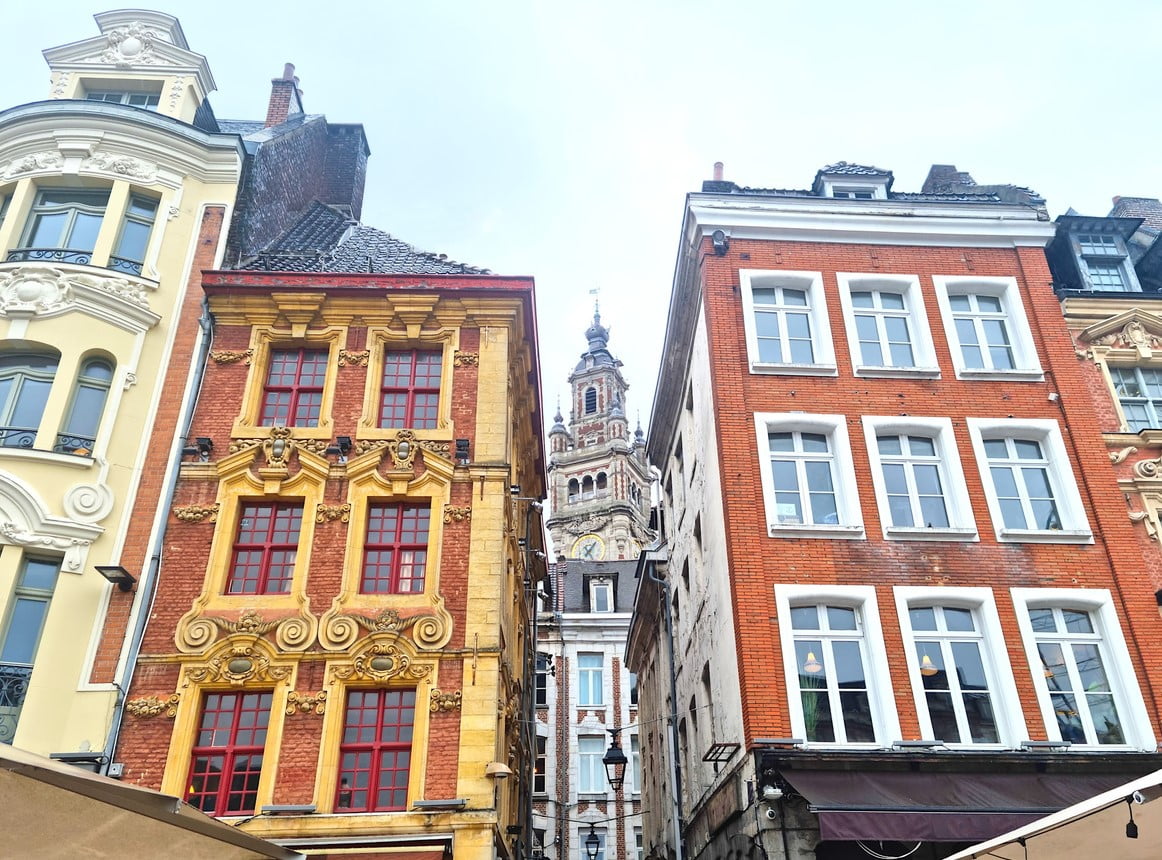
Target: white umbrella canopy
54	810
1092	828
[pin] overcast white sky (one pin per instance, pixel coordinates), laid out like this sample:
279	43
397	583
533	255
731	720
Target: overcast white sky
558	139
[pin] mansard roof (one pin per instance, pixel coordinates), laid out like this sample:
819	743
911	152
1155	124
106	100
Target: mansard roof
327	239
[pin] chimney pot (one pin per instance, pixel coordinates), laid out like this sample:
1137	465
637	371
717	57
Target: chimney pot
288	72
718	171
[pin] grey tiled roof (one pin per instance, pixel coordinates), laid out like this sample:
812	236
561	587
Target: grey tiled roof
846	169
326	239
240	126
892	195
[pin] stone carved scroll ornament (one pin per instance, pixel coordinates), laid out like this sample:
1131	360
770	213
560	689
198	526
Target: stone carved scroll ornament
338	630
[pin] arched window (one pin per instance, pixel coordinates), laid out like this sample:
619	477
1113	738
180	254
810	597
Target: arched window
590	400
587	487
602	482
25	381
80	428
574	489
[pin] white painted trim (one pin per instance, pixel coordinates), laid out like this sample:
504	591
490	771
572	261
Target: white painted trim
1127	692
923	349
879	678
1006	289
821	341
1075	527
1011	726
962	523
847	493
876	222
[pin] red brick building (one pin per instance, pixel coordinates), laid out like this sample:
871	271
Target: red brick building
907	607
336	653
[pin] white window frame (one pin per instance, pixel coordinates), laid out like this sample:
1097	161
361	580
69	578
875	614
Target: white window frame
635	764
592	679
816	309
1075	526
908	286
591	777
1152	404
846	493
597	584
845	185
1115	654
1121	260
861	598
1016	322
962	524
1010	718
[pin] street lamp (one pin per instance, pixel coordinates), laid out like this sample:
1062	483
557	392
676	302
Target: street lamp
592	843
615	762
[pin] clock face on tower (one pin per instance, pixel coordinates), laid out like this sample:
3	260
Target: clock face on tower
589	548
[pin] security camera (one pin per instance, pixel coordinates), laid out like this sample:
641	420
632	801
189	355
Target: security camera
771	814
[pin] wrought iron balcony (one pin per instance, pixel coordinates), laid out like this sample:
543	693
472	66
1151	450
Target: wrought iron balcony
13	687
17	437
125	265
52	255
79	446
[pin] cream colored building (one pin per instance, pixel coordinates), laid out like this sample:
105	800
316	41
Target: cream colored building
115	191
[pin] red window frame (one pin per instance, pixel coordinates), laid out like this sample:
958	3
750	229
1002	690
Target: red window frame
409	394
226	761
395	552
265	548
375	753
293	394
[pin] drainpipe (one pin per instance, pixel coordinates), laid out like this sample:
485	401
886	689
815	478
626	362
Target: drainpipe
675	765
205	340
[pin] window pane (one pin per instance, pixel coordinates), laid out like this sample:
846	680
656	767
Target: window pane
840	618
805	617
24	627
134	240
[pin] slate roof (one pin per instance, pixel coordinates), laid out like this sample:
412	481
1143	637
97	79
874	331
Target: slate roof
917	196
845	168
327	239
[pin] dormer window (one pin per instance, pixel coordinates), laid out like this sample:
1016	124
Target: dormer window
1103	260
148	101
601	595
854	192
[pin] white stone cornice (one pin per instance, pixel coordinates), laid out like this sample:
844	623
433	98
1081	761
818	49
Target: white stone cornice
116	141
881	222
35	290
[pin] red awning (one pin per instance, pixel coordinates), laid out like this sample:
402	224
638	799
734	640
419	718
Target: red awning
936	807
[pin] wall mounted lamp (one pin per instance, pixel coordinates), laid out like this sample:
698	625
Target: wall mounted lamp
117	575
1158	600
721	243
497	770
201	448
339	448
463	449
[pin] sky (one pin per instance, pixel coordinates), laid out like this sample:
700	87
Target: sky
559	140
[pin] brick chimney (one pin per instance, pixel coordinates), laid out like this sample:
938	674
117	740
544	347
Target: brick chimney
946	179
286	99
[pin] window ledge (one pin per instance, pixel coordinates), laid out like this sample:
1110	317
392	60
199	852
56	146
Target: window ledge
793	369
924	533
1149	435
1045	535
812	531
73	460
1019	375
920	372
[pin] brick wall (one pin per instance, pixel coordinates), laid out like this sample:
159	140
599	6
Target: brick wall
756	562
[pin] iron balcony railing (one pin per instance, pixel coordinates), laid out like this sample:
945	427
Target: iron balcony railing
13	688
53	255
17	437
67	255
80	446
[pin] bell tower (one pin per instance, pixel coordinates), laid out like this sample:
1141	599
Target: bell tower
599	480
